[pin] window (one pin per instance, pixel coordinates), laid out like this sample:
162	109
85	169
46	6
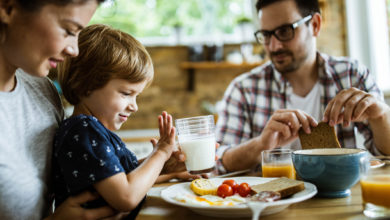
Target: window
388	17
368	37
178	21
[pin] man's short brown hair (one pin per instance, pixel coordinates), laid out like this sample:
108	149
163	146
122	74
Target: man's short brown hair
105	54
305	7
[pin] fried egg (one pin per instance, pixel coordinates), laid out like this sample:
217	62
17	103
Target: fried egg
210	200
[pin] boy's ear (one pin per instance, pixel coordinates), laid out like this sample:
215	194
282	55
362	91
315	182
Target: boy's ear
7	7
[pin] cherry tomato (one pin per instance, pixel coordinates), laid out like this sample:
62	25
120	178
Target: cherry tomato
224	190
244	189
232	184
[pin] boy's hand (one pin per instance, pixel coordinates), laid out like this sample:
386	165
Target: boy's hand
166	142
175	164
183	175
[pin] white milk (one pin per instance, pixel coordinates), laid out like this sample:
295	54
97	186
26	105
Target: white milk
200	153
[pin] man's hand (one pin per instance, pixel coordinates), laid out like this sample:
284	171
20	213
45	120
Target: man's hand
353	105
283	127
71	208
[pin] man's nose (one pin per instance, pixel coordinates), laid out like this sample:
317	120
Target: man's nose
274	43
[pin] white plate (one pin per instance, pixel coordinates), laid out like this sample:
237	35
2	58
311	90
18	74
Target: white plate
241	210
376	163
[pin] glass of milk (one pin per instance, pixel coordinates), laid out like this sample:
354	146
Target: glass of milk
197	140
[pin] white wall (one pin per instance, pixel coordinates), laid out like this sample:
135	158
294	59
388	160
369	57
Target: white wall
368	39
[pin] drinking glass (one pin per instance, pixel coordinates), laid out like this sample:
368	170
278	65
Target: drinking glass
196	137
375	185
277	163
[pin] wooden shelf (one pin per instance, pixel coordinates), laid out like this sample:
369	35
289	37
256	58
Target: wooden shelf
191	68
217	65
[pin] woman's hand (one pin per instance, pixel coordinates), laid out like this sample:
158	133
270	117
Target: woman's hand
71	208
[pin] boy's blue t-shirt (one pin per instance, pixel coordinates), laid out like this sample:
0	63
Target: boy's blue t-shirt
86	152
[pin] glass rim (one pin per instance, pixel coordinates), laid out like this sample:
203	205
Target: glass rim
279	150
195	118
353	152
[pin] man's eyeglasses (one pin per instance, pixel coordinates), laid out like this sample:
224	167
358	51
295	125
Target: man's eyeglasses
282	33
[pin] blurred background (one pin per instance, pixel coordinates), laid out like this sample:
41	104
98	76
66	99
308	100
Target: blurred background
199	46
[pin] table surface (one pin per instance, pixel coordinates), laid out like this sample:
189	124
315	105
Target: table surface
315	208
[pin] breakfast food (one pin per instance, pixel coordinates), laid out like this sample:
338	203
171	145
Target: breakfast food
284	186
322	136
230	187
224	190
266	196
210	200
205	192
203	187
228	193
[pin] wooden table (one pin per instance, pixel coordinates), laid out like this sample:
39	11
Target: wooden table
315	208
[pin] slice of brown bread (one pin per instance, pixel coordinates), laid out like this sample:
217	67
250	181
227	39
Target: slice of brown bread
322	136
283	185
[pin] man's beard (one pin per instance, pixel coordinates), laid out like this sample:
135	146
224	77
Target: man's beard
285	68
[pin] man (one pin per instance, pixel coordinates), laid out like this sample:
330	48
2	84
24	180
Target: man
297	88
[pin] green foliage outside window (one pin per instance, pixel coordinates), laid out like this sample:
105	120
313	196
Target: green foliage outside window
150	18
388	16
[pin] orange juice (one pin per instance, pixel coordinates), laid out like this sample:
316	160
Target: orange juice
278	170
376	190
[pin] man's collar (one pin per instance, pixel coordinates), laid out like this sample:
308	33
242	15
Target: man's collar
323	66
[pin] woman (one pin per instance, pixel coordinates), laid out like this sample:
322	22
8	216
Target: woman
35	35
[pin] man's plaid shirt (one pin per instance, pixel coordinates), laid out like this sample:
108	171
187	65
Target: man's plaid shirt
251	99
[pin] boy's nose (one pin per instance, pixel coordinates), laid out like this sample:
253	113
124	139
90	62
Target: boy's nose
133	107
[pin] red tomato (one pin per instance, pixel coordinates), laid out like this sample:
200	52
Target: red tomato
224	190
232	184
244	189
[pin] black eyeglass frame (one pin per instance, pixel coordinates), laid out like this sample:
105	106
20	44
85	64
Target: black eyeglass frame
293	26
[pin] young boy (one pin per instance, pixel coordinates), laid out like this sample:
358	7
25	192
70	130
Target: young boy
103	83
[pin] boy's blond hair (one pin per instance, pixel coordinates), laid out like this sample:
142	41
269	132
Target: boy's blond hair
105	54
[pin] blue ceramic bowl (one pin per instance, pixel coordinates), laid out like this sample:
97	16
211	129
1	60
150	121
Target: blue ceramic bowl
333	170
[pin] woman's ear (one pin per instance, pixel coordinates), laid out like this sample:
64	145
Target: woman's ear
6	9
316	23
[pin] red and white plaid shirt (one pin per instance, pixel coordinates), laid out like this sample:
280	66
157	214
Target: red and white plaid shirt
252	98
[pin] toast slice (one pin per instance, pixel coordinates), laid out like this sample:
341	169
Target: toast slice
283	185
322	136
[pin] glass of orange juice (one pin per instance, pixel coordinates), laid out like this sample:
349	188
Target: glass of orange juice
375	185
277	163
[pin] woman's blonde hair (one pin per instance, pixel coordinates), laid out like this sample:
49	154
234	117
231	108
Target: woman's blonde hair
105	54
